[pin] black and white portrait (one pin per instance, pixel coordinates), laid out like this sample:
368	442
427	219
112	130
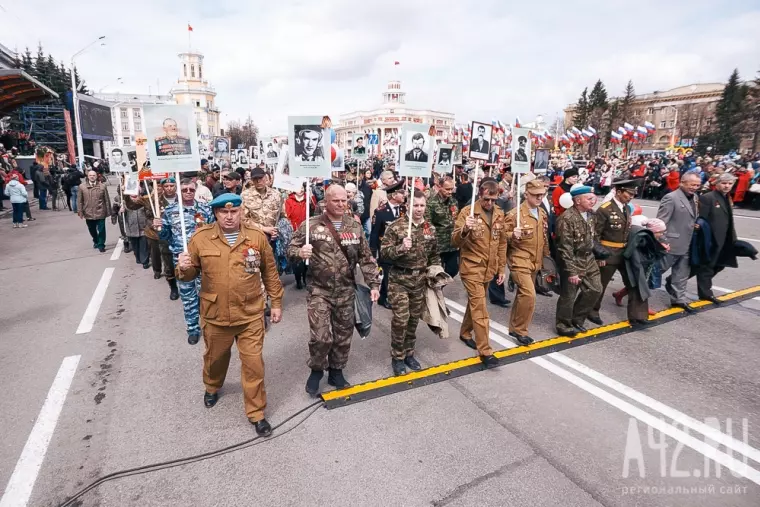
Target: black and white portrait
493	157
480	145
457	154
241	157
271	151
118	161
132	184
309	146
132	158
415	148
520	155
359	150
221	150
417	153
541	164
444	160
520	150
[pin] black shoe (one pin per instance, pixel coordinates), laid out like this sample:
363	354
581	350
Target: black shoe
101	249
412	363
146	265
336	379
713	300
546	293
398	367
503	304
192	339
639	323
263	428
127	248
174	292
596	320
156	276
566	332
298	284
312	384
522	339
580	327
489	361
684	306
210	399
387	305
469	342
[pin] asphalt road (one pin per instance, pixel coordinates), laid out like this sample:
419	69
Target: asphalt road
631	421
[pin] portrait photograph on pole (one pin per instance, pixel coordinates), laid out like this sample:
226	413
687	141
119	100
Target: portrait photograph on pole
221	152
122	160
444	158
359	144
520	150
254	155
417	150
480	146
308	147
271	151
541	164
241	158
172	138
457	154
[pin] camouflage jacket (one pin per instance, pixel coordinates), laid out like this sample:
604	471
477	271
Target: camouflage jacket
329	270
442	214
575	242
262	210
423	253
171	228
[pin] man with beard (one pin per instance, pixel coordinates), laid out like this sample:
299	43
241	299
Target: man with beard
416	154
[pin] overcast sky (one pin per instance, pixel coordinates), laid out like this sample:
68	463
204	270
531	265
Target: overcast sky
479	60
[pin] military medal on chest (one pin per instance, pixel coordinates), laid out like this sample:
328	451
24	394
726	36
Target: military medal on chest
252	260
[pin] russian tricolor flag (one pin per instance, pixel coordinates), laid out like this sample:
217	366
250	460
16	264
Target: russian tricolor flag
517	122
642	130
628	126
592	130
649	126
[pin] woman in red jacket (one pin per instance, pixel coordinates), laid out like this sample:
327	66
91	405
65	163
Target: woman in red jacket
673	180
295	211
742	185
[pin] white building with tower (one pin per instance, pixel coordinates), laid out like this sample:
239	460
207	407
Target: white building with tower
387	120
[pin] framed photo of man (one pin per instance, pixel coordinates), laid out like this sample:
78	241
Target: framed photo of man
271	151
132	184
541	164
359	144
172	138
457	154
254	155
221	150
480	145
121	160
308	147
416	152
520	150
241	158
444	157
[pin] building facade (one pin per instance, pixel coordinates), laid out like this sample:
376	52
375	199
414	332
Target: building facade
387	121
679	115
191	88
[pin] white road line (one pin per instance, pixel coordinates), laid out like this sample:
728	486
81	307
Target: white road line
21	483
735	216
88	319
117	251
701	447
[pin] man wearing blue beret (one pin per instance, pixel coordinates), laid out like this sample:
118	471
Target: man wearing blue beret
580	281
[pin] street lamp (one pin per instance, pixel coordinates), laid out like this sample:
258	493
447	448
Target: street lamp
75	101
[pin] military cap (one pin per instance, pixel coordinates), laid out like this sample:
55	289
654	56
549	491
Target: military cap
167	180
257	172
580	190
628	185
227	200
395	187
232	175
535	187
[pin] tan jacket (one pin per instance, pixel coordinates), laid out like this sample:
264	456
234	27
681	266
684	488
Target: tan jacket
483	250
527	253
231	276
93	202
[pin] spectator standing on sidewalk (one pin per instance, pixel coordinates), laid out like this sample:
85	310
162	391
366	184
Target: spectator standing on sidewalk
18	196
94	204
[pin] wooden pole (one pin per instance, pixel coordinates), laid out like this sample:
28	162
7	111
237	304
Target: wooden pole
181	215
147	193
157	210
308	205
474	189
409	206
517	200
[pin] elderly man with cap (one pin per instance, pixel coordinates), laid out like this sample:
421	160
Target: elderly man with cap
233	259
230	184
262	204
528	244
579	271
569	178
384	215
196	214
482	241
613	223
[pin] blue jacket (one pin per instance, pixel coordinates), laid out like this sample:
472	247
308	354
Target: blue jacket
171	229
16	191
701	244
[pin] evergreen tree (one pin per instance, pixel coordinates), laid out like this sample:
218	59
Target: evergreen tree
729	115
27	63
612	117
597	101
581	110
626	112
40	65
751	122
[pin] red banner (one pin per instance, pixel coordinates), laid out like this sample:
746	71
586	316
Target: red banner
69	137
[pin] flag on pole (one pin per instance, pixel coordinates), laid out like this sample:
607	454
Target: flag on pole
517	122
396	63
189	28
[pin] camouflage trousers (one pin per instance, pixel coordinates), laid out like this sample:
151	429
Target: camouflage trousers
188	294
406	294
576	302
331	326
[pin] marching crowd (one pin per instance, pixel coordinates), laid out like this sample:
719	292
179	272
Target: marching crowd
368	228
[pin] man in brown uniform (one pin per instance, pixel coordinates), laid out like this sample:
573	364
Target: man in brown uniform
233	259
528	245
613	223
336	245
483	254
409	258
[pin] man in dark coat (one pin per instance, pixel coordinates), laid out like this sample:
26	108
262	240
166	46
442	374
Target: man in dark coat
384	216
716	209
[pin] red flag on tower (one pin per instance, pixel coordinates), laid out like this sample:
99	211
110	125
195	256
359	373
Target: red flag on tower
189	28
396	63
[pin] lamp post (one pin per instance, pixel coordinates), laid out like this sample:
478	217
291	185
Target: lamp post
75	102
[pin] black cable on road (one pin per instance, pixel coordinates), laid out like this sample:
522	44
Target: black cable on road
194	459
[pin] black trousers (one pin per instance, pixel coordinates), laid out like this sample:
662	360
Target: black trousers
384	284
496	292
139	246
450	262
161	257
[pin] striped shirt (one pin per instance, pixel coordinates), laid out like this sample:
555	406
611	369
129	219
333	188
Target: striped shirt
338	225
231	237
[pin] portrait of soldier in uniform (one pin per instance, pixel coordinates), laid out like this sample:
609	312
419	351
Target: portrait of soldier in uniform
309	143
359	149
171	143
520	155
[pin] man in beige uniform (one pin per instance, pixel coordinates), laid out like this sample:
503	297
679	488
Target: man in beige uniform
483	254
528	245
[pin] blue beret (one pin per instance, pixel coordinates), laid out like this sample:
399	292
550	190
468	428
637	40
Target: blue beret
227	200
583	189
168	180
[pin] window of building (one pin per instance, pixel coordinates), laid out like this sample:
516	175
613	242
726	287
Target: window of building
650	110
439	133
138	126
197	103
200	72
184	69
125	126
663	139
708	122
126	141
671	124
136	113
124	112
662	124
192	70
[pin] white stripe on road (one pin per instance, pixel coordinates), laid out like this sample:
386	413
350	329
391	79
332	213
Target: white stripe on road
679	417
117	251
735	216
21	483
88	319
